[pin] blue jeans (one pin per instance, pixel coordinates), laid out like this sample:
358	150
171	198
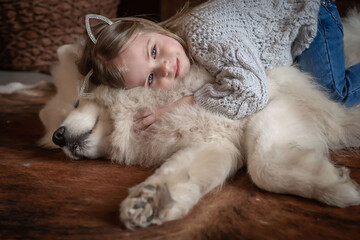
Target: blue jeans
325	59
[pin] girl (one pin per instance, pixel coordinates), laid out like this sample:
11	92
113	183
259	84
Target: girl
236	41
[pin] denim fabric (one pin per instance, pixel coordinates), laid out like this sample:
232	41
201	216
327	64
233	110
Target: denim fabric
325	59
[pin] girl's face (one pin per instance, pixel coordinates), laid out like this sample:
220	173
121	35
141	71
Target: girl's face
153	60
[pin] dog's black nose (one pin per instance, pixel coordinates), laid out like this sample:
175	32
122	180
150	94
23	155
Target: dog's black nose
58	137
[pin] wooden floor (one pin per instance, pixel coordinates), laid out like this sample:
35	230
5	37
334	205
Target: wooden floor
44	195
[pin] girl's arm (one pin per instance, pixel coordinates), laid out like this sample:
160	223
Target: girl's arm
241	85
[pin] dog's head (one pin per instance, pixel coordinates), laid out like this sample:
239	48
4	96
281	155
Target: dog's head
80	129
85	133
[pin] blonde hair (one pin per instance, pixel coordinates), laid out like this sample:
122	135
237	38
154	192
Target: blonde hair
111	40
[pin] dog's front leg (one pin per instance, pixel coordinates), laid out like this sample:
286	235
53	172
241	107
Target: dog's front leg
179	184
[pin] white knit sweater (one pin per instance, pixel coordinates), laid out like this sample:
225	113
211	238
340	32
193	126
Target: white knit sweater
237	40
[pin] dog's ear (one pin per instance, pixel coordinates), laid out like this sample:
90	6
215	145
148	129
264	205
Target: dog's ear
197	78
105	95
69	52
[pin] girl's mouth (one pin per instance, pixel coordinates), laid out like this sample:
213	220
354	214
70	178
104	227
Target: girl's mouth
177	68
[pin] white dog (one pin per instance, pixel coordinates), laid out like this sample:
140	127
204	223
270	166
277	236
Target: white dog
285	146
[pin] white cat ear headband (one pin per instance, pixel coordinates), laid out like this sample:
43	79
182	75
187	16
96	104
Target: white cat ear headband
87	24
94	40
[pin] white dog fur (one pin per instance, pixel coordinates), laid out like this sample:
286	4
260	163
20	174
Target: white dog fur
285	146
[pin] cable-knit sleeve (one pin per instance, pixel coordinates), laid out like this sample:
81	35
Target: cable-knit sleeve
241	86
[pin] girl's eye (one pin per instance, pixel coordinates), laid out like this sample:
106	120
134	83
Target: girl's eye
153	52
150	79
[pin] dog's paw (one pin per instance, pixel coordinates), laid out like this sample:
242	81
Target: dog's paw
147	204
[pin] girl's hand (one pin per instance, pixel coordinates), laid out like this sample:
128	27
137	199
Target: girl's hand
143	120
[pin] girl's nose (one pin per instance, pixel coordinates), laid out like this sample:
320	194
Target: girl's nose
165	68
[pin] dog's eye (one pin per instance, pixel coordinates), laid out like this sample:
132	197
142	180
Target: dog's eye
76	147
76	104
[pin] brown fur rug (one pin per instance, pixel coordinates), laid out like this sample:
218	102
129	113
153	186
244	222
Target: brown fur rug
44	195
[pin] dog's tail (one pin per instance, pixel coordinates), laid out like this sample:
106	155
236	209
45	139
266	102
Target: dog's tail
351	24
348	135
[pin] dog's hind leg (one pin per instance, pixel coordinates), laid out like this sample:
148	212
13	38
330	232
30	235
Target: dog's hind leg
307	173
180	183
294	159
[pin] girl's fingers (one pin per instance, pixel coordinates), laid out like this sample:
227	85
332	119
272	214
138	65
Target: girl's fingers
144	123
142	114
